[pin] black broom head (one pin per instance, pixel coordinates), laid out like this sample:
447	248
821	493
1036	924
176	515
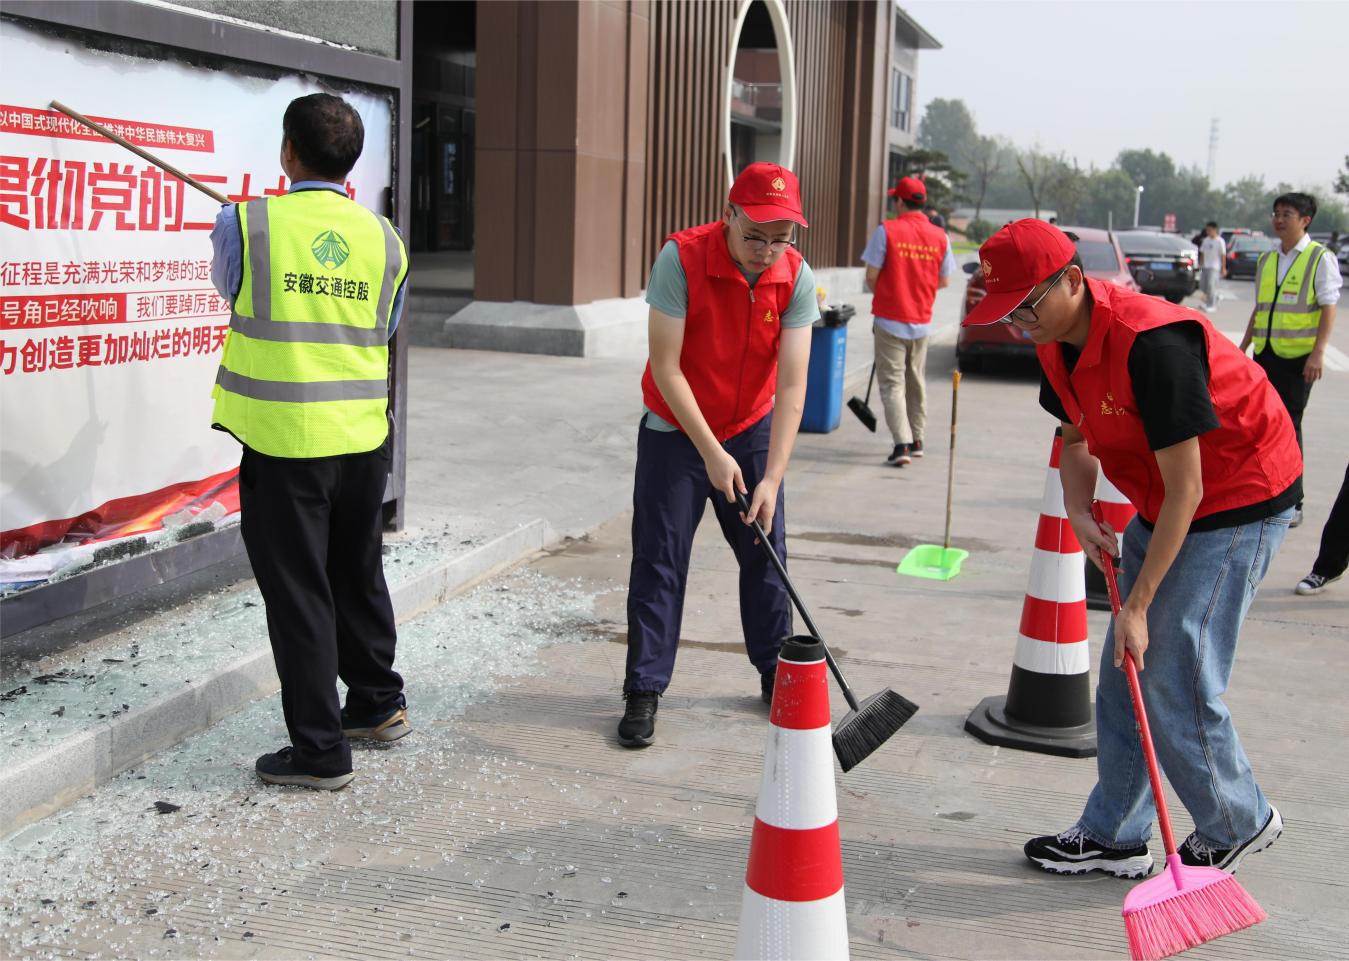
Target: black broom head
863	412
873	723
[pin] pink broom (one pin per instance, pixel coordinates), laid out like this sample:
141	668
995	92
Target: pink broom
1183	907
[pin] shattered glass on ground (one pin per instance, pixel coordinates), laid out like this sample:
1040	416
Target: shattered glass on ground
64	695
97	878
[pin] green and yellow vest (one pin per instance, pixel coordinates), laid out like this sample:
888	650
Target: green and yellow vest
305	367
1286	315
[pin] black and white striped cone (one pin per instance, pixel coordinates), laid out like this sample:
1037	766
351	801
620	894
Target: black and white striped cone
1047	707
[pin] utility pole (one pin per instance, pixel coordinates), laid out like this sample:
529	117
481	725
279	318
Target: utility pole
1212	148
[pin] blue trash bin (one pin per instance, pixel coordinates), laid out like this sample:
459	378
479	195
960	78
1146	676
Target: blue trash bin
824	379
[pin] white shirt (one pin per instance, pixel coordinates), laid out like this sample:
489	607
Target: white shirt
1327	282
1212	252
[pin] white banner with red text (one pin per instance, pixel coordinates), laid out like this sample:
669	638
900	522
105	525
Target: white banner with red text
110	328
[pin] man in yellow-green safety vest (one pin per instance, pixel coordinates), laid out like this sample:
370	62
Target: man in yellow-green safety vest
316	284
1296	288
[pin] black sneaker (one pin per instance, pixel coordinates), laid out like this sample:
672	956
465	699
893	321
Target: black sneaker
1195	853
638	727
279	768
900	455
387	725
1314	583
916	448
1072	853
766	686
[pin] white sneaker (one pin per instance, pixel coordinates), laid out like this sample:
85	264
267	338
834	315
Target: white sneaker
1314	584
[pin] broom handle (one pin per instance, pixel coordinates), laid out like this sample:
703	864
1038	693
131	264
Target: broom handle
951	463
143	154
800	604
870	380
1136	696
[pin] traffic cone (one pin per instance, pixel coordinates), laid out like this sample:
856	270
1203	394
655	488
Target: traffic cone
793	906
1047	707
1118	512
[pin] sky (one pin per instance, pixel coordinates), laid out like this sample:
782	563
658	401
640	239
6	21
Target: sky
1094	77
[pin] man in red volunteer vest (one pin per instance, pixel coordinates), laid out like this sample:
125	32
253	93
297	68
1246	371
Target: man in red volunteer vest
732	303
1191	431
907	260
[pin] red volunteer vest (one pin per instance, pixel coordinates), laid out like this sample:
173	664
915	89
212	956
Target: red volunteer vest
1252	455
907	285
731	333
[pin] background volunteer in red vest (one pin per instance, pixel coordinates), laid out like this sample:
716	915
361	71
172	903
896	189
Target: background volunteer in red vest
1189	429
732	303
1296	289
907	259
316	285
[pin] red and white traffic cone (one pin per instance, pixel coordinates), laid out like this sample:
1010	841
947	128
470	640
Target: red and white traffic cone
793	906
1118	512
1047	707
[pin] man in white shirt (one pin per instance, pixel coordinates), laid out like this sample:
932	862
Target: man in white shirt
1212	264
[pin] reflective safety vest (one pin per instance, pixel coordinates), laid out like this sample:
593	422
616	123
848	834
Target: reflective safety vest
731	333
306	362
1285	314
907	284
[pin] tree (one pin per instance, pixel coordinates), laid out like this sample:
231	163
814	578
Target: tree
983	160
943	181
1038	172
1108	200
1342	180
947	127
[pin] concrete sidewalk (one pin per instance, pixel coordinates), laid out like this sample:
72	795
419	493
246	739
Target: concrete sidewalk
511	825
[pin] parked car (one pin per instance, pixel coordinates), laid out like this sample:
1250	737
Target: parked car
1245	253
1161	264
1227	233
1101	259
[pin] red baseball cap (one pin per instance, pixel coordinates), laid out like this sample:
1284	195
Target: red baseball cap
911	189
1014	260
767	192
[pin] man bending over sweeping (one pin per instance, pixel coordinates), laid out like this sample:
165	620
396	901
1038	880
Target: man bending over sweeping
1190	430
732	303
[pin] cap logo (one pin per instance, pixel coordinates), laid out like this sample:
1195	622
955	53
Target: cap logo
987	268
779	183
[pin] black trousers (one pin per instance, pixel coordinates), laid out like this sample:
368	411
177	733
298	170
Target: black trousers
1285	375
314	533
1333	559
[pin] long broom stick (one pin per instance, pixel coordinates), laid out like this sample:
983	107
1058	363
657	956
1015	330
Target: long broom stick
164	165
870	723
1183	907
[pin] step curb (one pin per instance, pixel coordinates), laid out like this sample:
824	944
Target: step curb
76	765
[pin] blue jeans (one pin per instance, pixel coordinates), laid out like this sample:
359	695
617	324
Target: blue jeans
1193	624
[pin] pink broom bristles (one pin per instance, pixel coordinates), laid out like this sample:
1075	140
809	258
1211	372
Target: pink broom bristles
1184	907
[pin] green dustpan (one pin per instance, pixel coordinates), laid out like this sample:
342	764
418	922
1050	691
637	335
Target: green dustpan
932	561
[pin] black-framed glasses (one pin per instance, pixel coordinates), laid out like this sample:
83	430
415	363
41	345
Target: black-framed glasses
1021	311
758	244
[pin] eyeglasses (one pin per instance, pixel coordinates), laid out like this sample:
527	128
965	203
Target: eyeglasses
758	244
1020	312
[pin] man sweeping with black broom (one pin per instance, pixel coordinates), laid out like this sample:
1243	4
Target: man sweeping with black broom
732	304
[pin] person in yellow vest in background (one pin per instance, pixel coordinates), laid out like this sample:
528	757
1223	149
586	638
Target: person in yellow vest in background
1296	289
315	282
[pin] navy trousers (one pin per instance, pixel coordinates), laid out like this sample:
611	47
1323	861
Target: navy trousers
668	498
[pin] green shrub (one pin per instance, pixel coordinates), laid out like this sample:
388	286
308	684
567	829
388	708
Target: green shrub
979	230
